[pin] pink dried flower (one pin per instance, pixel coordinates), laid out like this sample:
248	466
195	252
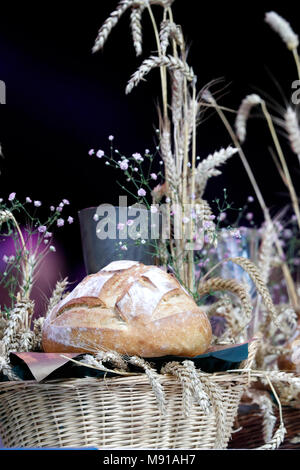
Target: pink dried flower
60	222
222	216
66	202
141	192
138	157
123	164
70	220
28	200
100	154
91	152
42	228
154	176
12	196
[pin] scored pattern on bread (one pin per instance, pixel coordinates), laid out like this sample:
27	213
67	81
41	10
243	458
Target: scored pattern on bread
131	308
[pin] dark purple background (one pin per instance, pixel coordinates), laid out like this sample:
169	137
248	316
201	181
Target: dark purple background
62	100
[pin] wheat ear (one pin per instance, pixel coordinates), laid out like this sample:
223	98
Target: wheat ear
230	285
57	294
293	130
152	62
109	23
136	28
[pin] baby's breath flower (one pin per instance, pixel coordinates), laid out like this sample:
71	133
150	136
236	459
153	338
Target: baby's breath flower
48	235
124	248
250	199
28	199
111	138
52	208
59	209
154	176
66	202
37	203
42	228
12	196
96	217
138	157
123	164
60	222
52	248
91	152
141	192
120	226
100	154
70	220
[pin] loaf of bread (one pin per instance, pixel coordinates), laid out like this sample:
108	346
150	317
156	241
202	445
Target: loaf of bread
130	308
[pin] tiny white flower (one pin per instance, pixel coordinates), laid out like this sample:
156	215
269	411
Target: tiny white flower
100	154
60	222
111	138
28	200
52	248
96	217
37	203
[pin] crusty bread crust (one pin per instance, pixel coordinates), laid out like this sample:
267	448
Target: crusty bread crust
130	308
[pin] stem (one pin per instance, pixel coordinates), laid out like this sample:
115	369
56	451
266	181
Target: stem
289	182
288	278
162	69
191	252
297	60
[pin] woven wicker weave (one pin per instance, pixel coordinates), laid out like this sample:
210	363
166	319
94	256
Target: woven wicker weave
115	413
249	423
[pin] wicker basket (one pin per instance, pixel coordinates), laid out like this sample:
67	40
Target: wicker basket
249	425
119	412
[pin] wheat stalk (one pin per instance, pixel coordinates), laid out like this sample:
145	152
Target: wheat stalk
57	294
283	28
293	130
265	403
266	251
136	28
220	284
109	23
152	62
169	30
243	115
207	167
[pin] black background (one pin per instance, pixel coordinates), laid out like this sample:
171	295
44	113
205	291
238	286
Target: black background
63	100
